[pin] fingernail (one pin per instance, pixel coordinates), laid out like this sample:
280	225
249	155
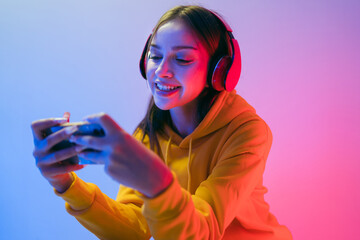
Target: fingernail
71	130
67	116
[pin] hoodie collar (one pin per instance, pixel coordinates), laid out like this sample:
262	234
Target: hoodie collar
226	107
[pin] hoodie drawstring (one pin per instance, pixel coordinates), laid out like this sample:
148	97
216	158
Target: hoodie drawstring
167	151
189	165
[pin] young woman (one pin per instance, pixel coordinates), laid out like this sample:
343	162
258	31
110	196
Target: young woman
193	168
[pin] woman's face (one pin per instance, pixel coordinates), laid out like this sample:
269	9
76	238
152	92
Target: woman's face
177	66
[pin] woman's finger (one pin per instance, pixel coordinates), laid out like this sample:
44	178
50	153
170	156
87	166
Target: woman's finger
38	126
109	125
96	143
55	138
56	157
58	169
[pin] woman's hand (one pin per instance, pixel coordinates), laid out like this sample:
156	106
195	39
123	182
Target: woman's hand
48	161
126	159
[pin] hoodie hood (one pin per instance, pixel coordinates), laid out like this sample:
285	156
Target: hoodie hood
226	107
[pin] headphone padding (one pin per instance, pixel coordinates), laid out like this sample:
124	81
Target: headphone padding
219	73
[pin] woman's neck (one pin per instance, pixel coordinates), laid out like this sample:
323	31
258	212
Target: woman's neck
184	119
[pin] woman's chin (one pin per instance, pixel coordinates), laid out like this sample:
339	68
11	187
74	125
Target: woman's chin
163	106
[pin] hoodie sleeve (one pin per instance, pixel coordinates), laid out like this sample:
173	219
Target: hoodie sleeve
176	214
103	216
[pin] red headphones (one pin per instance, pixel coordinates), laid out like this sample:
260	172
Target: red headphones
227	70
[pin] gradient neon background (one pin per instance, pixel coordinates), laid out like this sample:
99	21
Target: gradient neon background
301	62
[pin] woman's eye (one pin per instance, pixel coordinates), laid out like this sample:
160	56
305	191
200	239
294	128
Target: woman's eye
154	57
183	61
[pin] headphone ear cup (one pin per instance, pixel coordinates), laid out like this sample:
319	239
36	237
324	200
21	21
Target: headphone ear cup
227	71
219	74
142	64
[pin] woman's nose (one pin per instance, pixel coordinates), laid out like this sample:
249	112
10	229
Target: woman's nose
164	69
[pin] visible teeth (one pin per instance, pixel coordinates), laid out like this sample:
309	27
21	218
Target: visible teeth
165	88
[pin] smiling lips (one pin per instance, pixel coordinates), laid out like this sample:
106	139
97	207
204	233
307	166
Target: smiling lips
166	88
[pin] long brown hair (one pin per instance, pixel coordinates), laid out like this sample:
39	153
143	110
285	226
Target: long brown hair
212	34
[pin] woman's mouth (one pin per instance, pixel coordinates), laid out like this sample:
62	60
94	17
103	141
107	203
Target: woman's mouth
165	88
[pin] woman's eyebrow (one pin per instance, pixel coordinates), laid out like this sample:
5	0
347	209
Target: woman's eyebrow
184	47
175	47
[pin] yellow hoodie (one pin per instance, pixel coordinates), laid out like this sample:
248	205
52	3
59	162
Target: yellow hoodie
217	192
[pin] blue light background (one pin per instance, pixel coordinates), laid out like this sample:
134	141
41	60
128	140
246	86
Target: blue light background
300	71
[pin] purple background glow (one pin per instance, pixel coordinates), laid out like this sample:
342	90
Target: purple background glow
300	71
